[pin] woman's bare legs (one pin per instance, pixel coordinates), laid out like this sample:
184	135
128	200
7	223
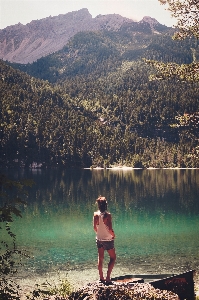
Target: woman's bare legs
112	255
100	262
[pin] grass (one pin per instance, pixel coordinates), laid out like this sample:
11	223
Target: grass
62	289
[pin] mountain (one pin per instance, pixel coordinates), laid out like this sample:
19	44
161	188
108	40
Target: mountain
108	115
91	103
27	43
95	53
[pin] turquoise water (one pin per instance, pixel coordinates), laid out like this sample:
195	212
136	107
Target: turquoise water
155	218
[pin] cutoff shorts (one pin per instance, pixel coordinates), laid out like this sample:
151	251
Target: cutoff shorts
107	245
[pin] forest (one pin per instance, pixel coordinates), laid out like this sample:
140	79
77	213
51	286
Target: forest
92	104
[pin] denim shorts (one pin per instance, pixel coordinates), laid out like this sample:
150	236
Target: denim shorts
107	245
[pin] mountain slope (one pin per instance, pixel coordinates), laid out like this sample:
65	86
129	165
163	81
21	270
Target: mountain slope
113	118
100	108
27	43
102	52
36	119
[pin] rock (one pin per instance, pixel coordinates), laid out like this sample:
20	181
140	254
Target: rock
125	291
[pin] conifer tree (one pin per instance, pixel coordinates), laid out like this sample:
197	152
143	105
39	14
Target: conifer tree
186	12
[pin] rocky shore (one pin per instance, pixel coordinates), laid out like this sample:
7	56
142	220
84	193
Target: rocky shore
98	291
121	290
85	285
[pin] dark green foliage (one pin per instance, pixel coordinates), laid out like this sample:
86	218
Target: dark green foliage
102	52
186	14
103	109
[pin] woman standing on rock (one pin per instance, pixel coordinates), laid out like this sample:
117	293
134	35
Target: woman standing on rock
102	224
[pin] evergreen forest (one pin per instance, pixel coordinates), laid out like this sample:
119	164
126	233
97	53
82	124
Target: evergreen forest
92	104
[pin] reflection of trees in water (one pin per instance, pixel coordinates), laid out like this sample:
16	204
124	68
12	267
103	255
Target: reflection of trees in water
75	191
148	189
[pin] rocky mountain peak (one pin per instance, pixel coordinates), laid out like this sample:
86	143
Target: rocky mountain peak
27	43
150	20
155	26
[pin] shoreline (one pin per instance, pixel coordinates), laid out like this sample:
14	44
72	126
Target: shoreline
78	279
132	168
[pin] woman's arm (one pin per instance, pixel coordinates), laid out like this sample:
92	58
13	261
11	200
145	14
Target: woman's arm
109	225
95	222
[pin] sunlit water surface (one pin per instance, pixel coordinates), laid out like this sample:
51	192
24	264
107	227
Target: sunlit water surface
155	217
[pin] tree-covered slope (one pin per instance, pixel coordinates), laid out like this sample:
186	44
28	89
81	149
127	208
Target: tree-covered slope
36	118
99	53
116	118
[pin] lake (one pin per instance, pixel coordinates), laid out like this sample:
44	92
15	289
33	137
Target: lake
155	218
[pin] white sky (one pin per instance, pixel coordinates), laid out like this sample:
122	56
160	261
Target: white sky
24	11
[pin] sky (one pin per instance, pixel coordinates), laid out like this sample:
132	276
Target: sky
24	11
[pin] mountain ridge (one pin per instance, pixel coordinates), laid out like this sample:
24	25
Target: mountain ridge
27	43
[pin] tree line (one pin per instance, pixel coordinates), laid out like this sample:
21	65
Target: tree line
86	121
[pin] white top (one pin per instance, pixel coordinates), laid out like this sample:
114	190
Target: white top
103	233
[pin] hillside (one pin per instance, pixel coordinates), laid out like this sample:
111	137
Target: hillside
115	118
92	104
27	43
99	53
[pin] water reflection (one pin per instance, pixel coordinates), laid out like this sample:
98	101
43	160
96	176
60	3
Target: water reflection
155	216
144	189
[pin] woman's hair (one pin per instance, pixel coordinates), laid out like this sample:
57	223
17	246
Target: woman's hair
102	203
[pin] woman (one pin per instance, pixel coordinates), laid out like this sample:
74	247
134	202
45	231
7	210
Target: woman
102	224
